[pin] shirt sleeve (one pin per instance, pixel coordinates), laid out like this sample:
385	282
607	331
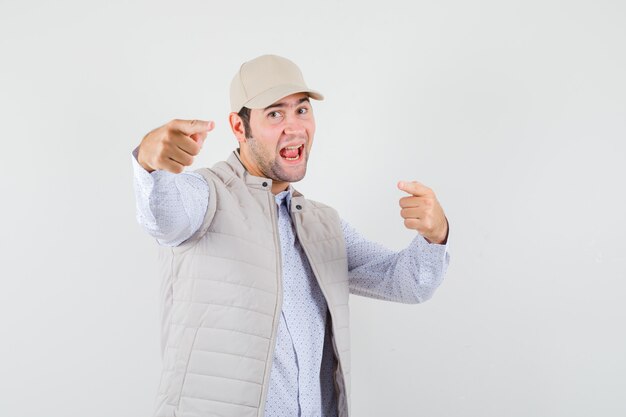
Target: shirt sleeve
171	207
409	276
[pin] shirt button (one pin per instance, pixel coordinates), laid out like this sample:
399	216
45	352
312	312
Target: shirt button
299	207
264	184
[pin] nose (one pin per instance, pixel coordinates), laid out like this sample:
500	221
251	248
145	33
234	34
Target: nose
294	127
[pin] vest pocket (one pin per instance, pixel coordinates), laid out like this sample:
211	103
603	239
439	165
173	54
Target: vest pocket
183	355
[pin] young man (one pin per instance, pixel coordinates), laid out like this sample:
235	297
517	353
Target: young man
256	278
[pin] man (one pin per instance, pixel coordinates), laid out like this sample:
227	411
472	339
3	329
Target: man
256	278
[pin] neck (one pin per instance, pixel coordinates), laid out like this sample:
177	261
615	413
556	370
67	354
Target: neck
277	186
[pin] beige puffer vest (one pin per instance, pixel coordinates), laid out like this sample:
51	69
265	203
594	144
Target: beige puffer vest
222	295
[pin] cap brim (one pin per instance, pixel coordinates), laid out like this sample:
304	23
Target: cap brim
274	94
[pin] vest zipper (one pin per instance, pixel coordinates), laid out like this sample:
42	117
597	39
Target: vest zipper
279	303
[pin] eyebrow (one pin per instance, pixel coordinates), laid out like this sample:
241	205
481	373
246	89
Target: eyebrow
281	104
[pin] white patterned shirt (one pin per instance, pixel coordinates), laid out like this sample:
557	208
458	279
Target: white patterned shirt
171	207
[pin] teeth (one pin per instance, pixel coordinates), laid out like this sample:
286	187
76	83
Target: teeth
292	148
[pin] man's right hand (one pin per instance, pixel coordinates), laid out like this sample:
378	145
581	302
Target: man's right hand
172	146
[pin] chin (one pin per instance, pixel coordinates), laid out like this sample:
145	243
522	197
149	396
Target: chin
295	177
290	175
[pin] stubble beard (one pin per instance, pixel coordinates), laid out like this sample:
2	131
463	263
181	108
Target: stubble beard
271	167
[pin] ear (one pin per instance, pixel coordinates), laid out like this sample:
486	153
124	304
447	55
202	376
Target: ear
236	125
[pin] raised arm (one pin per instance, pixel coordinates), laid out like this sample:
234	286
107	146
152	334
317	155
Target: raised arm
171	204
413	274
409	276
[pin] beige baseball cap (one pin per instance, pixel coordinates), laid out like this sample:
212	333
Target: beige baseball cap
264	81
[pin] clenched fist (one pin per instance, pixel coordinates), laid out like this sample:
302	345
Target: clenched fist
172	146
422	212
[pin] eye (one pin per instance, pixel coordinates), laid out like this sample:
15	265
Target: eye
303	110
274	115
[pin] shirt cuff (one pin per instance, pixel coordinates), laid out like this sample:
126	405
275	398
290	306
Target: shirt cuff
145	180
431	253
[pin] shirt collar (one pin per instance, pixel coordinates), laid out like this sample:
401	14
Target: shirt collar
285	196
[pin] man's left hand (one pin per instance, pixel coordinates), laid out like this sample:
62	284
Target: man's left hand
422	212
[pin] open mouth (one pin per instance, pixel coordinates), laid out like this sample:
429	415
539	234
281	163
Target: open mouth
292	153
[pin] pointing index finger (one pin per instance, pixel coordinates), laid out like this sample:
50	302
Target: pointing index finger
191	127
414	188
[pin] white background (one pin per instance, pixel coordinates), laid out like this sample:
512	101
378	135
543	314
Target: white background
514	112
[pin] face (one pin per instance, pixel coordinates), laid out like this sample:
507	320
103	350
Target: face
281	139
